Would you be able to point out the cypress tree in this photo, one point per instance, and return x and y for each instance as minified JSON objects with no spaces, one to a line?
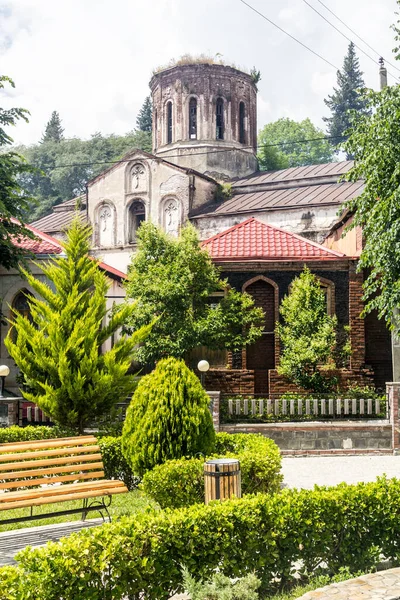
{"x":346,"y":97}
{"x":168,"y":417}
{"x":54,"y":131}
{"x":59,"y":350}
{"x":144,"y":119}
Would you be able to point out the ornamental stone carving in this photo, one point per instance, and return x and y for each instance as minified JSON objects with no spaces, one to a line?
{"x":139,"y":179}
{"x":172,"y":217}
{"x":106,"y":226}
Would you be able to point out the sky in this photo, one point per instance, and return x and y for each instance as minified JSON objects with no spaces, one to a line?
{"x":91,"y":60}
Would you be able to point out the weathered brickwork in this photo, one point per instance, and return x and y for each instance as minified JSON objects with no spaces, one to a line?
{"x":346,"y":378}
{"x":356,"y":322}
{"x":230,"y":381}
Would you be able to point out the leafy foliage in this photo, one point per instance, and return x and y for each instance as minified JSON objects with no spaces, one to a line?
{"x":221,"y":587}
{"x":292,"y":154}
{"x":14,"y":199}
{"x":171,"y":280}
{"x":179,"y":483}
{"x":115,"y":464}
{"x":308,"y":335}
{"x":168,"y":417}
{"x":54,"y":131}
{"x":375,"y":144}
{"x":59,"y":350}
{"x":144,"y":119}
{"x":64,"y":167}
{"x":322,"y":530}
{"x":347,"y":98}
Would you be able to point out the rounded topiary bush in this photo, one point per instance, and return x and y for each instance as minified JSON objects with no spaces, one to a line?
{"x":168,"y":417}
{"x":179,"y":483}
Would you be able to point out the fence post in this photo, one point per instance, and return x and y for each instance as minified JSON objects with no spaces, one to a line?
{"x":214,"y":407}
{"x":393,"y":392}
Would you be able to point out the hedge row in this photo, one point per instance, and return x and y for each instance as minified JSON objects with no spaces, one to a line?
{"x":179,"y":483}
{"x":141,"y":557}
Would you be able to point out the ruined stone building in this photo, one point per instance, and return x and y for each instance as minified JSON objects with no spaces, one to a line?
{"x":273,"y":223}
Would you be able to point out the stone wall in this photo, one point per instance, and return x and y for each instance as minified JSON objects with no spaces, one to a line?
{"x":322,"y":436}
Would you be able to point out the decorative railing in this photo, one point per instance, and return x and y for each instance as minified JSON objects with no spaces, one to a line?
{"x":261,"y":409}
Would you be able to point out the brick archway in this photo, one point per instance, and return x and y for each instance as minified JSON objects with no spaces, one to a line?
{"x":261,"y":356}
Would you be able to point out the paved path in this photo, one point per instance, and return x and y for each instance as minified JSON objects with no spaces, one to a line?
{"x":13,"y":541}
{"x":384,"y":585}
{"x":305,"y":472}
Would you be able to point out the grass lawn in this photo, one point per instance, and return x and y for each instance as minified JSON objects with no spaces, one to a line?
{"x":122,"y":504}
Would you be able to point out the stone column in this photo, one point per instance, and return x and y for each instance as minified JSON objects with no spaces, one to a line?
{"x":214,"y":408}
{"x":393,"y":393}
{"x":356,"y":322}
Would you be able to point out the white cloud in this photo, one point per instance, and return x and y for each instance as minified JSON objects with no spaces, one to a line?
{"x":92,"y":59}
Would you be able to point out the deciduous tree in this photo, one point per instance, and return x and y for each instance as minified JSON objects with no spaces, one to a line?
{"x":278,"y":147}
{"x":59,"y":350}
{"x":172,"y":280}
{"x":14,"y":200}
{"x":375,"y":144}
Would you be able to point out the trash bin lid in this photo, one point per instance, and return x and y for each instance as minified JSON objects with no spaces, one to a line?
{"x":223,"y":461}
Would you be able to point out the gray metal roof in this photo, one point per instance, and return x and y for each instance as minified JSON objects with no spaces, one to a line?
{"x":335,"y":169}
{"x":57,"y":221}
{"x":297,"y":187}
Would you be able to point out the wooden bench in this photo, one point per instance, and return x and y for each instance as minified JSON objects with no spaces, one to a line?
{"x":57,"y":470}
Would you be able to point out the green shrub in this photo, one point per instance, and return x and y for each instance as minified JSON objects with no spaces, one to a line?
{"x":322,"y":530}
{"x":221,"y":587}
{"x":176,"y":483}
{"x":115,"y":464}
{"x":168,"y":417}
{"x":31,"y":432}
{"x":179,"y":483}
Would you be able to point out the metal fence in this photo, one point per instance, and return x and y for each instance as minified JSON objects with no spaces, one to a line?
{"x":261,"y":409}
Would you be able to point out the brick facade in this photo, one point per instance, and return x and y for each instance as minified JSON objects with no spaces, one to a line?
{"x":356,"y":322}
{"x":279,"y":385}
{"x":230,"y":381}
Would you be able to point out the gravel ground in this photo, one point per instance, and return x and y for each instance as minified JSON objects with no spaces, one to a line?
{"x":305,"y":472}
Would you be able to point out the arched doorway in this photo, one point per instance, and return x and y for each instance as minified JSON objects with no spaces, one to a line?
{"x":260,"y":356}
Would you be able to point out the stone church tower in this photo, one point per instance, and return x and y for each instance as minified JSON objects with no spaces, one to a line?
{"x":205,"y":118}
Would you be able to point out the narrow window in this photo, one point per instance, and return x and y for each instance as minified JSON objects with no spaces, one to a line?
{"x":169,"y":123}
{"x":21,"y":304}
{"x":137,"y":214}
{"x":242,"y":130}
{"x":155,"y":127}
{"x":220,"y":119}
{"x":193,"y":119}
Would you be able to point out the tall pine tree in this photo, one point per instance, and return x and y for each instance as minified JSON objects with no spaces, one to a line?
{"x":53,"y":132}
{"x":346,"y":97}
{"x":145,"y":117}
{"x":59,"y":350}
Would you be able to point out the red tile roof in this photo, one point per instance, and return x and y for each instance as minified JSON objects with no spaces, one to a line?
{"x":254,"y":240}
{"x":43,"y":244}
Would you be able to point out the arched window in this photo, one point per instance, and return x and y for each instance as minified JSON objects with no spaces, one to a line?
{"x":242,"y":129}
{"x":219,"y":117}
{"x":193,"y":119}
{"x":169,"y":123}
{"x":136,"y":216}
{"x":20,"y":304}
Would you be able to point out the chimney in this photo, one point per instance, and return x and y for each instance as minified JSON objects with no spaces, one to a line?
{"x":382,"y":73}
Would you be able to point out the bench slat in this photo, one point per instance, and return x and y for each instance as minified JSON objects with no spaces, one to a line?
{"x":43,"y":453}
{"x":54,"y":443}
{"x":60,"y":490}
{"x":56,"y":498}
{"x":46,"y":480}
{"x":53,"y":461}
{"x":54,"y":470}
